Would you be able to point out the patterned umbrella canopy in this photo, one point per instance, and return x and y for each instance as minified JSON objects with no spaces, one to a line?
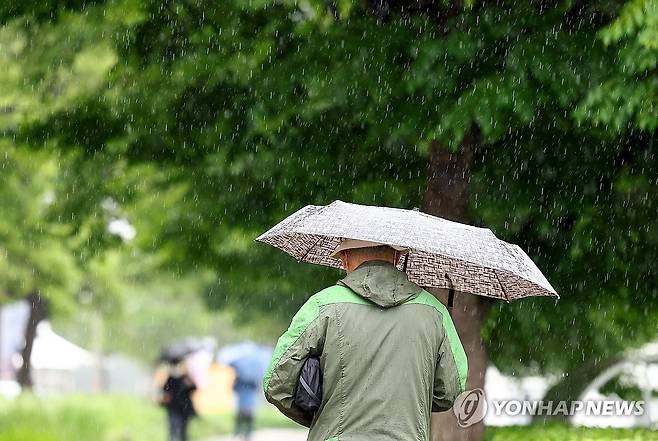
{"x":443,"y":254}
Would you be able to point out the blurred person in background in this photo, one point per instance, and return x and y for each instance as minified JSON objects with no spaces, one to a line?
{"x":177,"y":399}
{"x":248,"y":361}
{"x":246,"y":388}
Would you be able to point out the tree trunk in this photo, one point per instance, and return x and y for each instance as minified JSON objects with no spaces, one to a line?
{"x":38,"y":312}
{"x":446,"y":195}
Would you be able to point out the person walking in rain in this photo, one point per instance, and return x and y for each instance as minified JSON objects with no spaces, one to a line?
{"x":245,"y":389}
{"x":387,"y":354}
{"x":177,"y":399}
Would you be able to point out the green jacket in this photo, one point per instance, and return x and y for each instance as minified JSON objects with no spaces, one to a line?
{"x":389,"y":353}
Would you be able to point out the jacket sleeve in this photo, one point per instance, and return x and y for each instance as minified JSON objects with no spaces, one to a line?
{"x":451,"y":368}
{"x":305,"y":336}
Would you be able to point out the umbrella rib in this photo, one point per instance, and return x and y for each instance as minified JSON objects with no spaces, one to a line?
{"x":501,"y":286}
{"x":310,"y":249}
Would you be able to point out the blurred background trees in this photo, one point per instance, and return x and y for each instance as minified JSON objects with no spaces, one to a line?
{"x":203,"y":123}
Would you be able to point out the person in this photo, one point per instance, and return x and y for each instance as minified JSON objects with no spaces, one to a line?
{"x":248,"y":372}
{"x":389,"y":353}
{"x":177,"y":399}
{"x":246,"y":389}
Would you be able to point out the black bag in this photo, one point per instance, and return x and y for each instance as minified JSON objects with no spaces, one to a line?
{"x":308,"y":393}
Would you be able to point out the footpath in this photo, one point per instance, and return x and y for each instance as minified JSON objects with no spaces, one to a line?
{"x":269,"y":435}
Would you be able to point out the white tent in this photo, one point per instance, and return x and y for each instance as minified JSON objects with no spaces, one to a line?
{"x":52,"y":351}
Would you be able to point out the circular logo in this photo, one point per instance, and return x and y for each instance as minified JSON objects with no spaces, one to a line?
{"x":470,"y":407}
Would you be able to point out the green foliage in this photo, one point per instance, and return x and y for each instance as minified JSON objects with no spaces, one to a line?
{"x":628,"y":95}
{"x":80,"y":418}
{"x":53,"y":231}
{"x":34,"y":252}
{"x":584,"y":209}
{"x":151,"y":313}
{"x":45,"y":75}
{"x":207,"y":122}
{"x":561,"y":432}
{"x":638,"y":18}
{"x":629,"y":392}
{"x":108,"y":418}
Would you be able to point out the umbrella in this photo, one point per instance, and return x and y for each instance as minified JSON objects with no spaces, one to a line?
{"x":178,"y":350}
{"x":248,"y":359}
{"x":442,"y":253}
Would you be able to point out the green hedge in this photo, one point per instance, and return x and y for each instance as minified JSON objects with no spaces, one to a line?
{"x":563,"y":432}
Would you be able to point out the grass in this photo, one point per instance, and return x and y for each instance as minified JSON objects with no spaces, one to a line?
{"x":116,"y":418}
{"x":106,"y":418}
{"x":79,"y":418}
{"x":563,"y":432}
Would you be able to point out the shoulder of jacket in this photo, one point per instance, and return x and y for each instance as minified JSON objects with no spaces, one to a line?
{"x":337,"y":294}
{"x":427,"y":299}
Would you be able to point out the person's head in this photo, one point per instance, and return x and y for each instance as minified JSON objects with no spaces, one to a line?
{"x":352,"y":258}
{"x":177,"y":366}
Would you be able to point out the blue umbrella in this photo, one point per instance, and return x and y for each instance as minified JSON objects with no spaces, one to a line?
{"x":248,"y":359}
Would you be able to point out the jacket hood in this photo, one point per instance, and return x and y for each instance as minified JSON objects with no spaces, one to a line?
{"x":381,"y":283}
